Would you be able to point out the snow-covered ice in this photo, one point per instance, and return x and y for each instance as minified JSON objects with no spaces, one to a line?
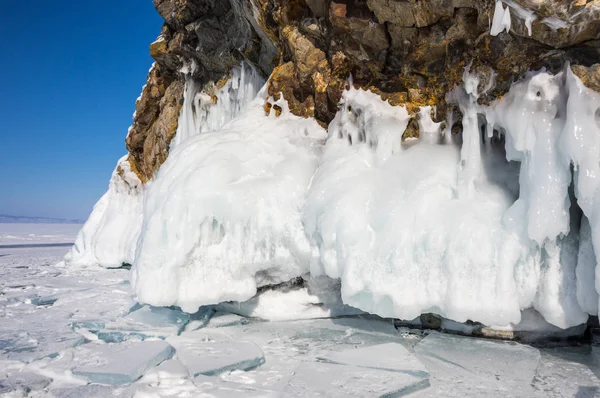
{"x":38,"y":234}
{"x":317,"y":379}
{"x":201,"y":354}
{"x":493,"y":366}
{"x":370,"y":355}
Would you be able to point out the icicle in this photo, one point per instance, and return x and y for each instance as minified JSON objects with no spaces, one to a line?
{"x":501,"y":19}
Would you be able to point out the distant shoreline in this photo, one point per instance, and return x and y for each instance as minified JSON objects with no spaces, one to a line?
{"x":6,"y":219}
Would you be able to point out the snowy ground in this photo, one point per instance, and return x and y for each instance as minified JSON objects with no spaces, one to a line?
{"x":37,"y":234}
{"x":79,"y":333}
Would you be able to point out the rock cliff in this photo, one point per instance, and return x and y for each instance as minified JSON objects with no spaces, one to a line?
{"x":410,"y":52}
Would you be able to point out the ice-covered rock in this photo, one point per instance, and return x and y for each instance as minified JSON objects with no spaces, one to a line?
{"x":390,"y":221}
{"x":223,"y":215}
{"x":121,"y":363}
{"x":109,"y":236}
{"x":315,"y":379}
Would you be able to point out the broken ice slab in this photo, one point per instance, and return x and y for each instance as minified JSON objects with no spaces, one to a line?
{"x":200,"y":319}
{"x":482,"y":364}
{"x":91,"y":391}
{"x":393,"y":357}
{"x":144,"y":322}
{"x":122,"y":363}
{"x":314,"y":379}
{"x":43,"y":301}
{"x":211,"y":358}
{"x":224,"y":319}
{"x":26,"y":347}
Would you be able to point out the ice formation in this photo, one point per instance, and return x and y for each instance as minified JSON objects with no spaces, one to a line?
{"x":110,"y":234}
{"x":203,"y":112}
{"x":224,"y":213}
{"x":481,"y":226}
{"x":501,"y":19}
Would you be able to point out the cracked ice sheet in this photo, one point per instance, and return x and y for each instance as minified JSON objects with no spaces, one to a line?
{"x":211,"y":354}
{"x":315,"y":379}
{"x":482,"y":367}
{"x":145,"y":322}
{"x":120,"y":363}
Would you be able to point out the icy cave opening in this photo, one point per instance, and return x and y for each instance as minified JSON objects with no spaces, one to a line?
{"x":482,"y":225}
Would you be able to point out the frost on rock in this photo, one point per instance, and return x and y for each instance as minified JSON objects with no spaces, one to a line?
{"x":223,"y":215}
{"x":110,"y":234}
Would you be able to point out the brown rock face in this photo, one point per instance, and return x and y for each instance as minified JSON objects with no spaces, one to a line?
{"x":411,"y":52}
{"x":155,"y":123}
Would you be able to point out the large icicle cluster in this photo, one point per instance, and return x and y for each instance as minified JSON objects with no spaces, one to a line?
{"x":224,"y":213}
{"x":478,"y":226}
{"x":110,"y":235}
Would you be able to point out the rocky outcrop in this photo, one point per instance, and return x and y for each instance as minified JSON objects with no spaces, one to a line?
{"x":411,"y":52}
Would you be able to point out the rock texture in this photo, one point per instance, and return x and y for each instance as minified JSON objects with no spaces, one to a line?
{"x":411,"y":52}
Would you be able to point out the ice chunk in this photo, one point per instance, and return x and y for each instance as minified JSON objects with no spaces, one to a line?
{"x":121,"y":364}
{"x":211,"y":358}
{"x":223,"y":215}
{"x":225,"y":319}
{"x":24,"y":382}
{"x":393,"y":357}
{"x":314,"y":379}
{"x":145,"y":322}
{"x":485,"y":366}
{"x":110,"y":234}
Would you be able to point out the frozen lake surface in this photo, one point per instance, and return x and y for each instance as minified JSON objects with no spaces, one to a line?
{"x":37,"y":234}
{"x":72,"y":332}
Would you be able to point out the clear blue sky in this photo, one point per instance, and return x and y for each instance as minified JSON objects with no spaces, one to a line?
{"x":71,"y":71}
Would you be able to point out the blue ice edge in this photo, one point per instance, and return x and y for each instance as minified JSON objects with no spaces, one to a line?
{"x":132,"y":374}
